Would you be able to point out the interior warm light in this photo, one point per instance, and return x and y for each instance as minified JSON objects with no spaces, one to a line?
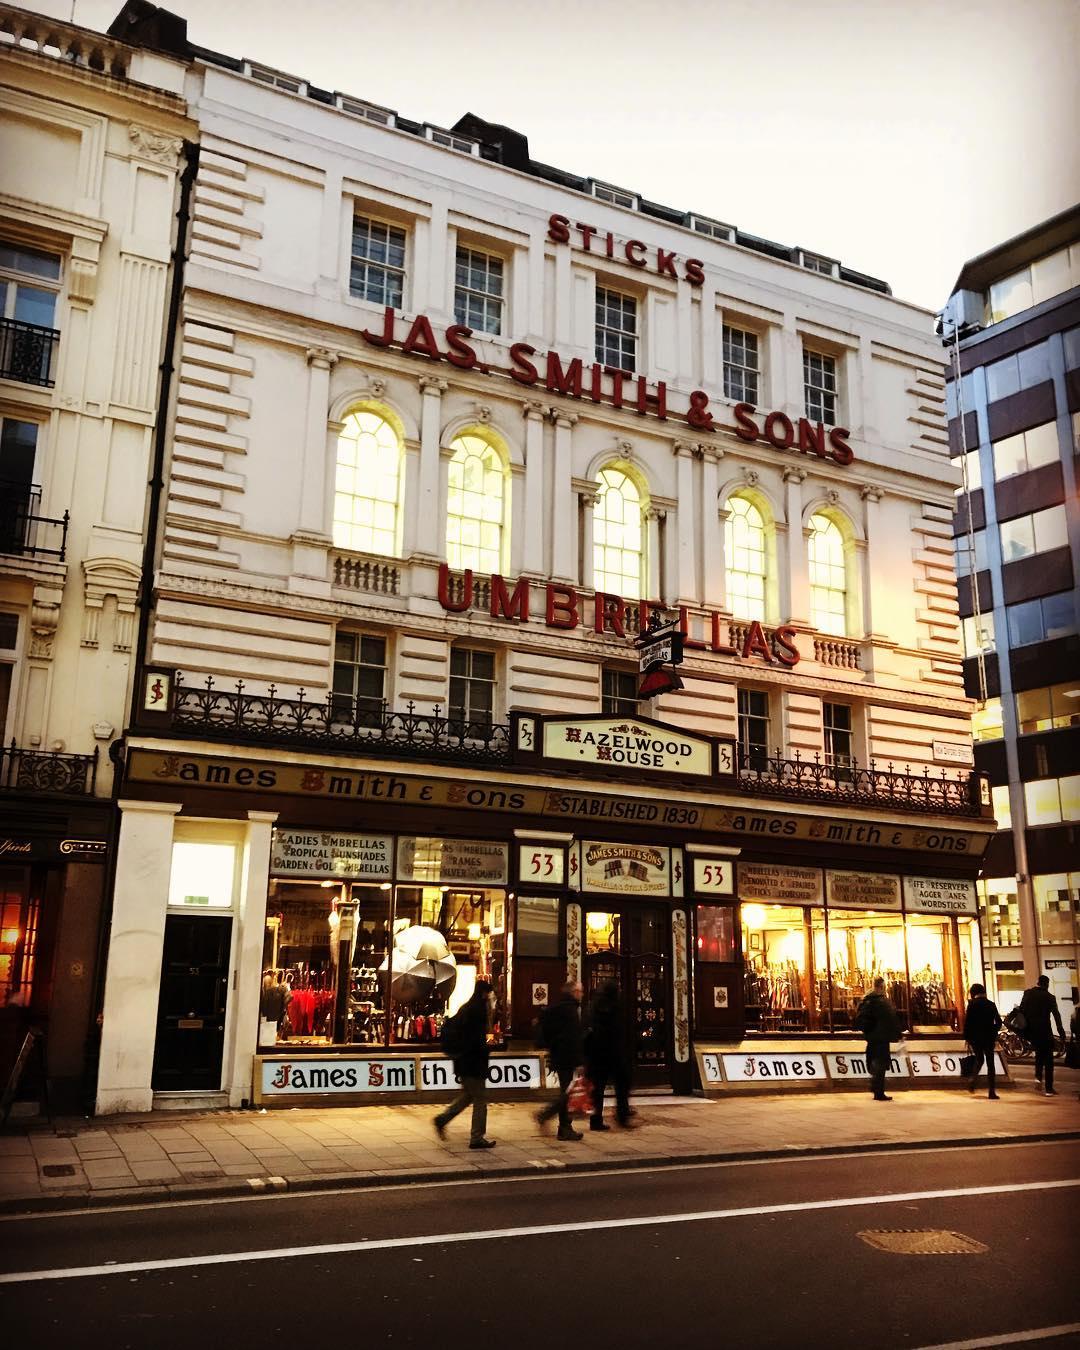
{"x":10,"y":936}
{"x":474,"y":932}
{"x":753,"y":916}
{"x":384,"y":886}
{"x":596,"y":922}
{"x":328,"y":885}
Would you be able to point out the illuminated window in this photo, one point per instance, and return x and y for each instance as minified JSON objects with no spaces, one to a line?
{"x":202,"y":875}
{"x":618,"y":556}
{"x":978,"y":635}
{"x":819,"y":386}
{"x":1026,"y":535}
{"x":986,"y":722}
{"x":367,"y":491}
{"x":828,"y":576}
{"x":1029,"y":450}
{"x":1048,"y":709}
{"x":1057,"y":906}
{"x":1052,"y":800}
{"x":999,"y":797}
{"x":377,"y":272}
{"x":476,"y":505}
{"x":970,"y":470}
{"x":745,"y":558}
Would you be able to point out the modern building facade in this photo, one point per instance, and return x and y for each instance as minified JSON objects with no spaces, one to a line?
{"x":91,"y":143}
{"x":452,"y":428}
{"x":1013,"y":326}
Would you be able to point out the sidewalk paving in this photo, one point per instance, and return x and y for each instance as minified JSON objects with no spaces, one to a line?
{"x":73,"y":1163}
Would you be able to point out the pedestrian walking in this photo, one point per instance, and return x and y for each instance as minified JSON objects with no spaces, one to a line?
{"x":606,"y":1060}
{"x":982,"y":1022}
{"x":465,"y":1041}
{"x":878,"y":1022}
{"x":1037,"y":1007}
{"x":561,"y":1031}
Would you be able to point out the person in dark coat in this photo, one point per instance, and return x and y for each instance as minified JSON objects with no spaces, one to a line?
{"x":982,"y":1022}
{"x":605,"y":1055}
{"x":1037,"y":1007}
{"x":561,"y":1028}
{"x":470,"y":1057}
{"x":878,"y":1022}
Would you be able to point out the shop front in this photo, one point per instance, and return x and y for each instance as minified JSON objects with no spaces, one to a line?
{"x":314,"y":922}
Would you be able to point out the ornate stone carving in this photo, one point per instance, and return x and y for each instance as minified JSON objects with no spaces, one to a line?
{"x":686,"y":448}
{"x":82,"y":279}
{"x":751,"y":477}
{"x":483,"y":412}
{"x":377,"y":387}
{"x":44,"y":617}
{"x":105,"y":576}
{"x":589,"y":497}
{"x":155,"y":145}
{"x":322,"y":358}
{"x":561,"y":418}
{"x":432,"y":386}
{"x":532,"y":408}
{"x":869,"y":493}
{"x":793,"y":474}
{"x":832,"y":497}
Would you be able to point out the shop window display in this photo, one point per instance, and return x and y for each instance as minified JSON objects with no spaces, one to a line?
{"x":715,"y":934}
{"x":865,"y":944}
{"x":785,"y":986}
{"x":937,"y":980}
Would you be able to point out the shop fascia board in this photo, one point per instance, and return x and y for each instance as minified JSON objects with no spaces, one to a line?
{"x":501,"y":778}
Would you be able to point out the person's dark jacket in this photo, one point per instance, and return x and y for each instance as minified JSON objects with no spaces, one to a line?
{"x":1038,"y":1006}
{"x":877,"y":1020}
{"x":471,"y":1059}
{"x":562,"y":1033}
{"x":982,"y":1022}
{"x":604,"y":1039}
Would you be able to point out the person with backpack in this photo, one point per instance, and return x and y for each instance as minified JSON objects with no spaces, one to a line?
{"x":464,"y":1041}
{"x":982,"y":1022}
{"x":560,"y":1029}
{"x":1036,"y":1009}
{"x":878,"y":1022}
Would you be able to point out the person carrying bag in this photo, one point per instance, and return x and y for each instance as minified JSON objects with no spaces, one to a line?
{"x":982,"y":1022}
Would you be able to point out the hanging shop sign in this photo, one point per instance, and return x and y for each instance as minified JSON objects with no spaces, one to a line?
{"x":605,"y":384}
{"x":614,"y":743}
{"x":260,"y":778}
{"x":862,"y":890}
{"x":940,"y":895}
{"x":566,"y":607}
{"x":626,"y":869}
{"x":314,"y":854}
{"x":771,"y":884}
{"x":468,"y":862}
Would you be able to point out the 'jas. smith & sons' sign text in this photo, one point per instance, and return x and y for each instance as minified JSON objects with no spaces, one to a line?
{"x":260,"y":777}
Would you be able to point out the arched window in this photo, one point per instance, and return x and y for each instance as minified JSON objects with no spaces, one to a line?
{"x":367,"y":490}
{"x":618,"y":555}
{"x":828,"y":576}
{"x":745,"y":558}
{"x":476,"y":505}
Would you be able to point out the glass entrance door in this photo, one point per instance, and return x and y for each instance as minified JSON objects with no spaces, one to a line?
{"x":630,"y":944}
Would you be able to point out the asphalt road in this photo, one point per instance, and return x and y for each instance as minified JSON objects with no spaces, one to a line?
{"x":756,"y":1255}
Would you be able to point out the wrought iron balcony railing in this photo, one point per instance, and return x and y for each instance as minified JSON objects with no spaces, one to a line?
{"x":49,"y":771}
{"x":340,"y":723}
{"x":336,"y":722}
{"x":23,"y":530}
{"x":27,"y":351}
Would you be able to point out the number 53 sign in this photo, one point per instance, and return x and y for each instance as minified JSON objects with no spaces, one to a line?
{"x":541,"y":865}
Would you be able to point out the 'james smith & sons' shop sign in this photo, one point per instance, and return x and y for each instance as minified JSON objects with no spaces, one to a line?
{"x":261,"y":777}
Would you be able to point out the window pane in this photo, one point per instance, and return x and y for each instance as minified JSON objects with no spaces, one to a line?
{"x":1002,"y":379}
{"x":1057,"y":905}
{"x":1064,"y":704}
{"x":1009,"y":457}
{"x":1043,"y":802}
{"x":1017,"y":539}
{"x":715,"y":933}
{"x":1041,"y":444}
{"x":986,"y":722}
{"x":999,"y":797}
{"x":1050,"y":529}
{"x":1033,"y":710}
{"x":1010,"y":295}
{"x":1025,"y":623}
{"x":368,"y":485}
{"x":1034,"y":363}
{"x":1070,"y":797}
{"x":537,"y":926}
{"x":1058,"y":614}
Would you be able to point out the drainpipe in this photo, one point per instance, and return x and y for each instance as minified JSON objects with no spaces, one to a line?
{"x":153,"y":518}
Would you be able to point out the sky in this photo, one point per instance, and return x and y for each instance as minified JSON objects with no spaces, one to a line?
{"x":901,"y":136}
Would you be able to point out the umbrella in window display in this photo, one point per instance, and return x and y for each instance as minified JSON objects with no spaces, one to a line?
{"x":422,"y":964}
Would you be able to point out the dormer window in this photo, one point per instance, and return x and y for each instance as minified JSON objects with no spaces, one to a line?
{"x":289,"y":84}
{"x":817,"y":262}
{"x":712,"y":229}
{"x":450,"y":140}
{"x":370,"y":112}
{"x":606,"y":192}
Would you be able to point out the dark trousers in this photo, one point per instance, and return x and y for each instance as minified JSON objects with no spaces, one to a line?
{"x":984,"y":1054}
{"x":877,"y":1065}
{"x":616,"y":1072}
{"x":1044,"y":1060}
{"x":473,"y":1093}
{"x":558,"y":1107}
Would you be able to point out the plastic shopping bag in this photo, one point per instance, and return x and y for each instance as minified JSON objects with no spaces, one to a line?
{"x":579,"y":1097}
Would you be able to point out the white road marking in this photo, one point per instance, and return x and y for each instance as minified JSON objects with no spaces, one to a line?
{"x":1010,"y":1338}
{"x":547,"y":1169}
{"x":536,"y":1230}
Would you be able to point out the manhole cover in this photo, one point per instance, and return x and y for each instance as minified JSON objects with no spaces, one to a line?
{"x":921,"y":1241}
{"x":58,"y":1170}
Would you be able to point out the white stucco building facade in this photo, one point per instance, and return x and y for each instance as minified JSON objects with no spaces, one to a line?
{"x":433,"y":400}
